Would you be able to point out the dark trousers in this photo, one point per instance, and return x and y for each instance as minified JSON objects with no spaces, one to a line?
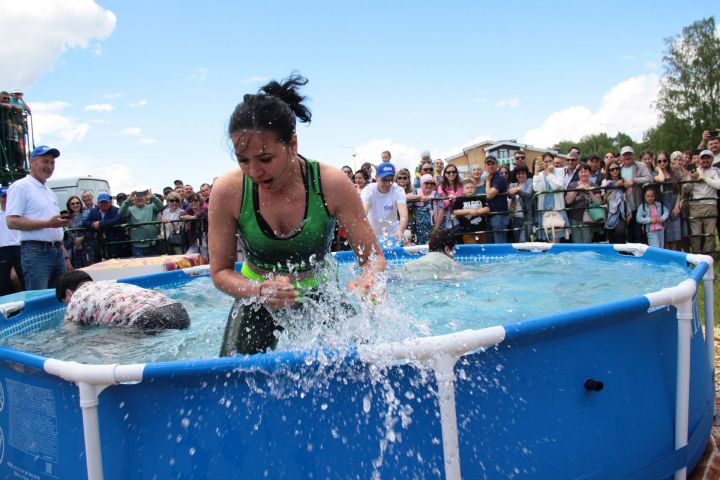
{"x":9,"y":259}
{"x":634,"y":230}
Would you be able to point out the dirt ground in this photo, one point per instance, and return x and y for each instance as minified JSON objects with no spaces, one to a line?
{"x":709,"y":466}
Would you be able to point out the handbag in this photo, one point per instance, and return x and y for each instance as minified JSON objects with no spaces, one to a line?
{"x":175,"y":239}
{"x":596,"y":212}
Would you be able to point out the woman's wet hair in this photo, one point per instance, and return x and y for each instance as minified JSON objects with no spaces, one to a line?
{"x":275,"y":107}
{"x":71,"y":281}
{"x":440,"y":239}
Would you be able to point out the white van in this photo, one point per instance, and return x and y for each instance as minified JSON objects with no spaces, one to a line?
{"x":65,"y":187}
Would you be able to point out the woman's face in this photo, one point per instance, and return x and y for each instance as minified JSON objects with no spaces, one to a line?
{"x":476,"y":173}
{"x":174,"y":203}
{"x":504,"y":171}
{"x":263,"y":158}
{"x":451,"y":174}
{"x":521,"y":176}
{"x":662,"y":161}
{"x":75,"y":204}
{"x":360,"y":180}
{"x":428,"y":188}
{"x":614,"y":170}
{"x":402,"y":179}
{"x":584,"y":175}
{"x":647,"y":159}
{"x":348,"y":172}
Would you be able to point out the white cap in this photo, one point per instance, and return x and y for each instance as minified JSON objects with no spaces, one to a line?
{"x":626,"y":149}
{"x":427,"y":178}
{"x":707,"y":153}
{"x":425,"y":154}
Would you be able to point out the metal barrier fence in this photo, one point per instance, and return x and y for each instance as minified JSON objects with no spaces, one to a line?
{"x":533,"y":212}
{"x":116,"y":242}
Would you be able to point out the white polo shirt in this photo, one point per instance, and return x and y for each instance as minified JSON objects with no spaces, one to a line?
{"x":35,"y":201}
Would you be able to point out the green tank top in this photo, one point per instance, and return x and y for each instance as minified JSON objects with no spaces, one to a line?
{"x":298,"y":252}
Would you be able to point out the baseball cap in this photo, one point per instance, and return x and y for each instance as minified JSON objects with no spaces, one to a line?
{"x":626,"y":149}
{"x":706,"y":153}
{"x":44,"y":150}
{"x":385,"y":169}
{"x":490,"y":159}
{"x":3,"y":191}
{"x":103,"y":197}
{"x":427,"y":178}
{"x":167,"y":190}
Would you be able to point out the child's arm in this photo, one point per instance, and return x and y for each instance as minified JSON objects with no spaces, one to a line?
{"x":643,"y":215}
{"x":665,"y":211}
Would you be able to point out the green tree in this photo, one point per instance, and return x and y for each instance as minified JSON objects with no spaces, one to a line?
{"x":598,"y":143}
{"x":689,"y":99}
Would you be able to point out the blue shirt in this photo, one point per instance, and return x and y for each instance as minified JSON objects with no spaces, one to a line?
{"x":500,"y":202}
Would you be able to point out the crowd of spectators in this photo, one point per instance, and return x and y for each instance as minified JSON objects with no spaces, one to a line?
{"x":661,"y":199}
{"x":664,"y":200}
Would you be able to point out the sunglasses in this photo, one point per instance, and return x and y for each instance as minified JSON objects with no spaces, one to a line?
{"x":402,"y":178}
{"x":662,"y":161}
{"x":174,"y":201}
{"x":451,"y":172}
{"x":520,"y":157}
{"x":613,"y":169}
{"x":427,"y":169}
{"x":75,"y":203}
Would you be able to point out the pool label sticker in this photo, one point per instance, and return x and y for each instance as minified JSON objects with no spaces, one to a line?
{"x":32,"y":420}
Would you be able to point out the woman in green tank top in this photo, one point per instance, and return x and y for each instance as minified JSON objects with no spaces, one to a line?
{"x":284,"y":207}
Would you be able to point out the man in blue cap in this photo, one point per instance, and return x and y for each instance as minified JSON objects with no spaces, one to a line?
{"x":101,"y":220}
{"x":9,"y":250}
{"x":33,"y":209}
{"x":384,"y":202}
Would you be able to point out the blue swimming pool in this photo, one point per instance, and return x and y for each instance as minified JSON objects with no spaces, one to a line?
{"x":624,"y":389}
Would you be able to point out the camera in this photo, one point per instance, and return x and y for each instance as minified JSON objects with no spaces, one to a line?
{"x":142,"y":194}
{"x":692,"y":168}
{"x":714,"y":133}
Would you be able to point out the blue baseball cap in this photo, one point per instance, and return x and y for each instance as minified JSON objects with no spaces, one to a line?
{"x":44,"y":150}
{"x":385,"y":169}
{"x":3,"y":191}
{"x":104,"y":197}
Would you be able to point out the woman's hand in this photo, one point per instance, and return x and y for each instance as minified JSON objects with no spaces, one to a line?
{"x":277,"y":293}
{"x":365,"y":288}
{"x":676,"y":211}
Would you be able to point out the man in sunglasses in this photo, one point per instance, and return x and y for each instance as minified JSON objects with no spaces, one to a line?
{"x":384,"y":202}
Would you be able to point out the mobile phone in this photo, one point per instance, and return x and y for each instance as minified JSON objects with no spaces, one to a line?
{"x":65,"y":215}
{"x":714,"y":133}
{"x":141,"y":194}
{"x":692,"y":167}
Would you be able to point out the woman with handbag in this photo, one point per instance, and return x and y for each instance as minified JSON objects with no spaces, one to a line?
{"x":578,"y":203}
{"x":552,"y":220}
{"x":618,"y":211}
{"x":173,"y":230}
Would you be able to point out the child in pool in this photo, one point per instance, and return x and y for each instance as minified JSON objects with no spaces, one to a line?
{"x":652,"y":216}
{"x":115,"y":304}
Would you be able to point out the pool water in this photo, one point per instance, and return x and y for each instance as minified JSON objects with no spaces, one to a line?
{"x":481,"y":292}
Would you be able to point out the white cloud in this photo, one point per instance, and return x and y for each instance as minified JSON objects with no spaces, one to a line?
{"x":99,"y":107}
{"x":50,"y":126}
{"x":138,"y":104}
{"x":198,"y":75}
{"x":134,"y":131}
{"x":402,"y":155}
{"x":35,"y":33}
{"x":256,"y":79}
{"x":513,"y":102}
{"x":147,"y":141}
{"x":627,"y":107}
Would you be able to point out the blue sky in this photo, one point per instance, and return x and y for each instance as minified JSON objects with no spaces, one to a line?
{"x":140,"y":92}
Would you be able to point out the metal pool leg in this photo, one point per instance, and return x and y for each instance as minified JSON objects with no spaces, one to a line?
{"x":682,"y":392}
{"x":443,"y":366}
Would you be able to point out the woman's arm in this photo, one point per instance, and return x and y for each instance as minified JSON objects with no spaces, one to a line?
{"x":343,"y":202}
